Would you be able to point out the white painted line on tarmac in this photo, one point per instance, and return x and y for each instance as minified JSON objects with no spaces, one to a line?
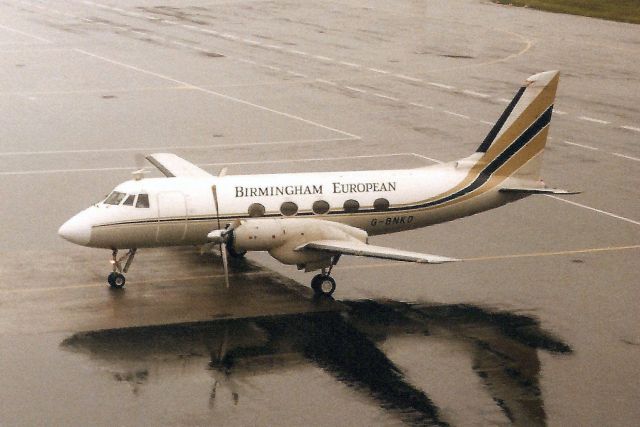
{"x":487,"y":123}
{"x":299,"y":52}
{"x":176,"y":147}
{"x":504,"y":100}
{"x":633,"y":128}
{"x":559,"y":112}
{"x":323,"y":58}
{"x":355,"y":89}
{"x":248,"y":162}
{"x":253,"y":42}
{"x":377,"y":70}
{"x":350,"y":64}
{"x":409,"y":78}
{"x":327,"y":82}
{"x":441,"y":85}
{"x":594,"y":209}
{"x":626,"y":157}
{"x":456,"y":114}
{"x":307,"y":160}
{"x":476,"y":94}
{"x":214,"y":93}
{"x":391,"y":98}
{"x":588,"y":147}
{"x":592,"y":120}
{"x":33,"y":36}
{"x":296,"y":74}
{"x":428,"y":158}
{"x":273,"y":46}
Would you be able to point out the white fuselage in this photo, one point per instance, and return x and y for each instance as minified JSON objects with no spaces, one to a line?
{"x":181,"y":211}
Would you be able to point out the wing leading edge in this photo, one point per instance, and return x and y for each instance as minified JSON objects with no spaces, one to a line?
{"x":174,"y":166}
{"x":357,"y":248}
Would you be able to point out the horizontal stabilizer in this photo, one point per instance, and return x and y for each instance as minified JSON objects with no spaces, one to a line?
{"x":174,"y":166}
{"x":533,"y":190}
{"x":357,"y":248}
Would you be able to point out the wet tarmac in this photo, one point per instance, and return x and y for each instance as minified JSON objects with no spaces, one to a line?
{"x":539,"y":325}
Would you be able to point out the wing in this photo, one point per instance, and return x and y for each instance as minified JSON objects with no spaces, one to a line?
{"x":173,"y":166}
{"x":358,"y":248}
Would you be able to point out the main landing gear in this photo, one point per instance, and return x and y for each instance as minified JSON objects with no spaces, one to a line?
{"x":116,"y":278}
{"x":323,"y":284}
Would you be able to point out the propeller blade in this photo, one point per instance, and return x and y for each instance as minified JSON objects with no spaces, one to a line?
{"x":223,"y":252}
{"x":223,"y":235}
{"x":215,"y":201}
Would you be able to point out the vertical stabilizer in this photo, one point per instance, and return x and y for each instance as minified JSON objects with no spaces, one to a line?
{"x":514,"y":146}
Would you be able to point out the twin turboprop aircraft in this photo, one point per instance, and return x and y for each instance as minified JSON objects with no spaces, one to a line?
{"x":311,"y":219}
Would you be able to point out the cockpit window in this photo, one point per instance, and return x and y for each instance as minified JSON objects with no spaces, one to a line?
{"x":114,"y":198}
{"x":143,"y":201}
{"x":129,"y":200}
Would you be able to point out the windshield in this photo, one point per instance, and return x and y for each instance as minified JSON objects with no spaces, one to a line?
{"x":114,"y":198}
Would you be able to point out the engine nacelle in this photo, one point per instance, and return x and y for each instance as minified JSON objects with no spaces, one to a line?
{"x":281,"y":236}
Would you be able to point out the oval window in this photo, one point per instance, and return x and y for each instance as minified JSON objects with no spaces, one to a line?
{"x":381,"y":204}
{"x":256,"y":210}
{"x":320,"y":207}
{"x":351,"y":206}
{"x":288,"y":208}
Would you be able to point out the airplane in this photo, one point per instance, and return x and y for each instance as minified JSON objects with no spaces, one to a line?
{"x":311,"y":219}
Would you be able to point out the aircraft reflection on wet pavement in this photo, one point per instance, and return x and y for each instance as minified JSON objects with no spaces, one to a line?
{"x":503,"y":347}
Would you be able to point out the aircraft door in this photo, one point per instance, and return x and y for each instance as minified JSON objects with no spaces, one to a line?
{"x":172,"y":218}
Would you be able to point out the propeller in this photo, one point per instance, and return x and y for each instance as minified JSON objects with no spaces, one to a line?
{"x":221,"y":236}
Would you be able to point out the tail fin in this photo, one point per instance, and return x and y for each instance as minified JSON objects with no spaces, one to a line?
{"x":513,"y":147}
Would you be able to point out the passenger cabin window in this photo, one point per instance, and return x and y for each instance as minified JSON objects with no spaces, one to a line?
{"x":351,"y":206}
{"x":129,"y":200}
{"x":320,"y":207}
{"x":256,"y":210}
{"x":114,"y":198}
{"x":143,"y":201}
{"x":289,"y":208}
{"x":381,"y":205}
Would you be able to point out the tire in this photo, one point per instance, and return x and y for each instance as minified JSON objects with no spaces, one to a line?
{"x":315,"y":283}
{"x":323,"y":285}
{"x":116,"y":280}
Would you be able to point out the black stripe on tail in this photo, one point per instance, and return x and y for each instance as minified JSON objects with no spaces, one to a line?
{"x":491,"y":136}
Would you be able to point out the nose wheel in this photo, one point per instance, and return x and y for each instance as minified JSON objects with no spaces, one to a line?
{"x":116,"y":278}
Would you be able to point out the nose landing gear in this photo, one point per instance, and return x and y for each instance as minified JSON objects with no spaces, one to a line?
{"x":116,"y":278}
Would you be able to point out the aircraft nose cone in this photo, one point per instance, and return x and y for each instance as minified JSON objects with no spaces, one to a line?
{"x":76,"y":230}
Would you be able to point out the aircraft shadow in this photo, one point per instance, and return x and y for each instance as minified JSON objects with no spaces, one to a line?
{"x":503,"y":346}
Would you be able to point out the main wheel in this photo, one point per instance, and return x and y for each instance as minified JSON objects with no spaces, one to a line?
{"x":116,"y":280}
{"x":323,"y":285}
